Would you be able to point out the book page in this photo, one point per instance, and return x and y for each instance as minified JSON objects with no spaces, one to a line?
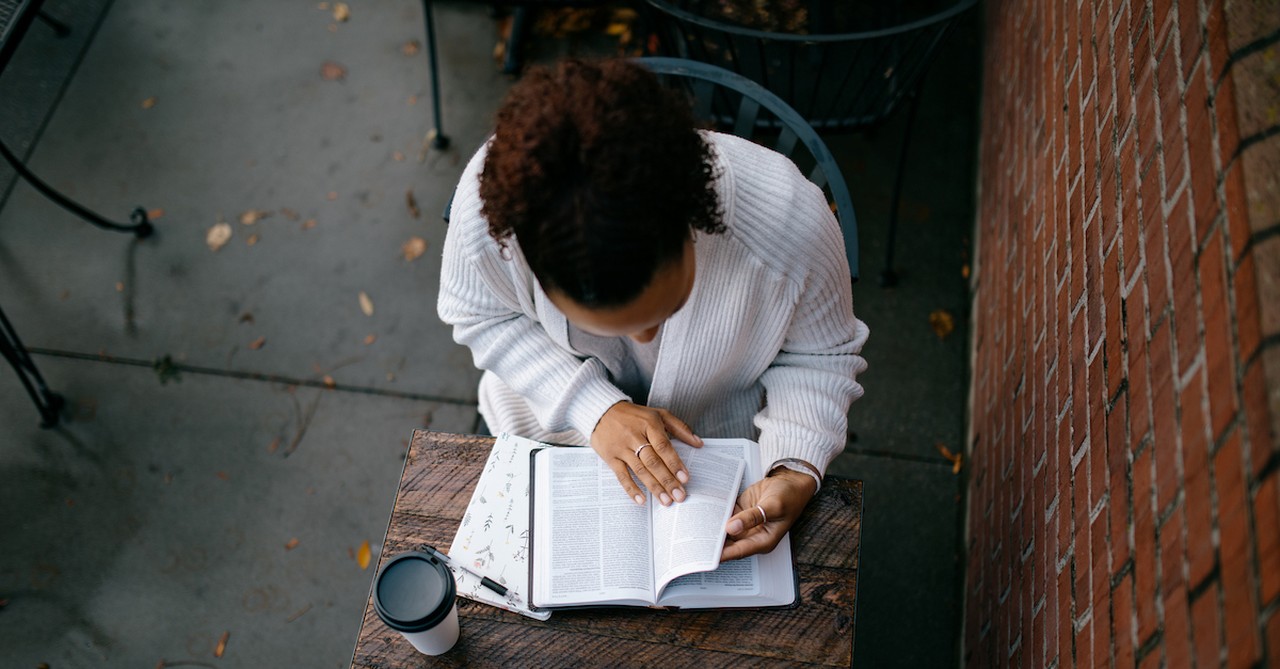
{"x":688,"y":536}
{"x":758,"y":580}
{"x":593,"y":540}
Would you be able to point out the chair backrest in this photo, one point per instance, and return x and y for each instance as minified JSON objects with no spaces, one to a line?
{"x":834,"y":81}
{"x":752,"y":107}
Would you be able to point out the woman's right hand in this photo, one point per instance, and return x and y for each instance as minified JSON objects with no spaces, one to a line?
{"x":633,"y":438}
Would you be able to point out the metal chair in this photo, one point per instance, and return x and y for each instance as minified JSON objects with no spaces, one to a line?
{"x":16,"y":16}
{"x":743,"y":107}
{"x":846,"y":81}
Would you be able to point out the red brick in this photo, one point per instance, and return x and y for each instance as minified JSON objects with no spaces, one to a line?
{"x":1190,"y":31}
{"x":1273,"y":633}
{"x":1122,"y":39}
{"x":1204,"y":178}
{"x":1266,"y":515}
{"x":1248,"y":322}
{"x":1144,"y":531}
{"x":1065,"y":632}
{"x":1122,"y":617}
{"x":1186,"y":314}
{"x":1155,"y":248}
{"x":1206,"y":623}
{"x":1169,"y":86}
{"x":1194,"y":429}
{"x":1118,"y":458}
{"x":1219,"y":363}
{"x":1240,"y":609}
{"x":1164,"y":417}
{"x":1173,"y":552}
{"x":1257,"y":417}
{"x":1139,"y":370}
{"x":1201,"y":556}
{"x":1224,"y":108}
{"x":1162,"y":20}
{"x":1177,"y":629}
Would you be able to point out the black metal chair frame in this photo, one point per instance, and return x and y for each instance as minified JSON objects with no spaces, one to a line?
{"x":846,"y":81}
{"x":710,"y":86}
{"x":16,"y":16}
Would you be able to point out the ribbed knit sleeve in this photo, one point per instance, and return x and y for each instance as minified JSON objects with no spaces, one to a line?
{"x":491,"y":303}
{"x":813,"y":378}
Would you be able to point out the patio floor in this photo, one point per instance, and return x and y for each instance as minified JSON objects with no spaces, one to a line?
{"x":229,"y":489}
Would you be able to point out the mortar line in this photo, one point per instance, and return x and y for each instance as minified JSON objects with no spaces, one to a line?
{"x":253,"y":376}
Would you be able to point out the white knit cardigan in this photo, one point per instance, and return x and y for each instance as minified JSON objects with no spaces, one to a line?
{"x":767,"y":346}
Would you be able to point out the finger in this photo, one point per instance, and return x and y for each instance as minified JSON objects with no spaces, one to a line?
{"x":649,"y":478}
{"x":742,"y":521}
{"x":679,"y":428}
{"x":628,"y":484}
{"x":762,"y":541}
{"x":656,"y":465}
{"x":671,"y":463}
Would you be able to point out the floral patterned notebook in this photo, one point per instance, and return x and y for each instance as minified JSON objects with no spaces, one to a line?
{"x":493,"y":538}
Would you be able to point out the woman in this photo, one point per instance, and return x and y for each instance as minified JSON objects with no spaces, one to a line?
{"x":621,"y":277}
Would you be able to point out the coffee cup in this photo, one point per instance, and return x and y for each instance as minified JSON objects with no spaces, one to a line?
{"x":415,"y":594}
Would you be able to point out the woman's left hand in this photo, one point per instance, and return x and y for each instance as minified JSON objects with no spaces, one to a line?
{"x":781,"y":495}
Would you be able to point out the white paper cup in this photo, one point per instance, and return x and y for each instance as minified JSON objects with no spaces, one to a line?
{"x":415,"y":595}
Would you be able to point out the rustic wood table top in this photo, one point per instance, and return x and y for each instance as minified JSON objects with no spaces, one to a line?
{"x":440,"y":473}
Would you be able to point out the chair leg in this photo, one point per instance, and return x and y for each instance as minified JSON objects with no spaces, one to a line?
{"x":511,"y":62}
{"x":141,"y":227}
{"x":48,"y":403}
{"x":888,"y":277}
{"x":440,"y":141}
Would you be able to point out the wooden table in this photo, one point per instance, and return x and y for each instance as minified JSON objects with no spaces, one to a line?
{"x":439,"y":476}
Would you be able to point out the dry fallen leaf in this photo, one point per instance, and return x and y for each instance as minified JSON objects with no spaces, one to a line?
{"x":310,"y":223}
{"x":329,"y":382}
{"x":299,"y":613}
{"x":331,"y":71}
{"x":942,"y":322}
{"x":413,"y":100}
{"x":412,"y":203}
{"x":341,"y":12}
{"x":224,"y":476}
{"x":119,"y":286}
{"x":366,"y":304}
{"x":414,"y":248}
{"x":257,"y":343}
{"x":397,"y":156}
{"x":331,"y":195}
{"x":253,"y":239}
{"x":370,"y":338}
{"x":246,"y":317}
{"x":964,"y":270}
{"x":363,"y":555}
{"x":222,"y":645}
{"x":274,"y":445}
{"x":293,"y":543}
{"x":956,"y":459}
{"x":289,"y":214}
{"x":218,"y":235}
{"x":149,"y":102}
{"x":253,"y":216}
{"x":324,"y":6}
{"x":154,"y":214}
{"x":411,"y":47}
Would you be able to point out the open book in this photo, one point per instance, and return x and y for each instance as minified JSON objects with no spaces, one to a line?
{"x":594,"y":546}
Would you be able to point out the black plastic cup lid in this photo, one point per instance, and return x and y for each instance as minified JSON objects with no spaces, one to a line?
{"x":413,"y":592}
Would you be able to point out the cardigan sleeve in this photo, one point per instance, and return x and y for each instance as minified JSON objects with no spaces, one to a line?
{"x":480,"y":296}
{"x":813,"y":379}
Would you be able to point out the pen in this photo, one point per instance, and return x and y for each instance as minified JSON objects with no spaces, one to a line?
{"x":484,"y":580}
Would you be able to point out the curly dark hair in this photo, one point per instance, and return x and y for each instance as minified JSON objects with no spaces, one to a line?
{"x":600,"y":173}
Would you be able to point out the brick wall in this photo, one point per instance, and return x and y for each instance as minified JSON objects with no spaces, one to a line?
{"x":1123,"y":499}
